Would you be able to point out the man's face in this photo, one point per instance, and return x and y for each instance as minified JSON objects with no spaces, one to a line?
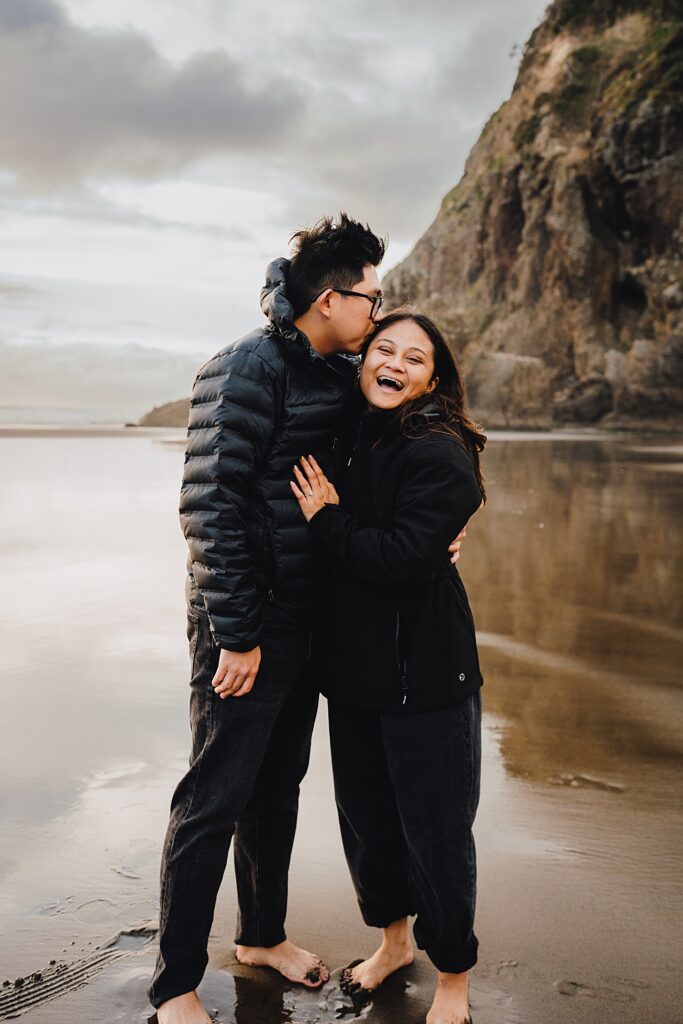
{"x":350,"y":314}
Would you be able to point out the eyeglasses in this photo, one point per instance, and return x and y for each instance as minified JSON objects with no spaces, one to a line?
{"x":374,"y":300}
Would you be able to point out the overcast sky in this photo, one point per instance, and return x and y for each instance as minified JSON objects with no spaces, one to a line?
{"x":155,"y":156}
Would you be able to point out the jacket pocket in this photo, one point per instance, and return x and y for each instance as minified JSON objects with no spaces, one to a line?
{"x":456,"y":633}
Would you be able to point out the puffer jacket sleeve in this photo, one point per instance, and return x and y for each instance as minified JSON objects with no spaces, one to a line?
{"x":232,"y":419}
{"x":438,"y":494}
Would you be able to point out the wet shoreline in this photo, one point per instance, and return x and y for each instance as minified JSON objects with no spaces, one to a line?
{"x":573,"y":571}
{"x":669,"y":437}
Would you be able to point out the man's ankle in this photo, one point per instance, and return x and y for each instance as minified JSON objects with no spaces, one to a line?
{"x":182,"y":999}
{"x":396,"y":937}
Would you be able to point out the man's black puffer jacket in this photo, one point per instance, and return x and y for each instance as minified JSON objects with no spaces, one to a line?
{"x":257,"y":407}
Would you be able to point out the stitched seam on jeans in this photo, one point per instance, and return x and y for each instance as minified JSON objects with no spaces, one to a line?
{"x":258,"y":859}
{"x":167,"y":890}
{"x":199,"y":761}
{"x":198,"y":765}
{"x":193,"y":654}
{"x":471,"y":739}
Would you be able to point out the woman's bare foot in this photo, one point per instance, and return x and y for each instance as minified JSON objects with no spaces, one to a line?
{"x":395,"y":952}
{"x":291,"y":961}
{"x":185,"y":1009}
{"x":451,"y":1002}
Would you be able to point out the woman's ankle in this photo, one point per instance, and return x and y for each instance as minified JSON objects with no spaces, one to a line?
{"x":453,"y":982}
{"x":451,"y":1000}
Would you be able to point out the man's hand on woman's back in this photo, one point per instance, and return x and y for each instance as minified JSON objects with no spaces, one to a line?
{"x":454,"y":546}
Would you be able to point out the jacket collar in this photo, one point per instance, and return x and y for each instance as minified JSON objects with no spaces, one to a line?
{"x":387,"y":424}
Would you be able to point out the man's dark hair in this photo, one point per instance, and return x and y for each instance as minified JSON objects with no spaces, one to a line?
{"x":331,"y":254}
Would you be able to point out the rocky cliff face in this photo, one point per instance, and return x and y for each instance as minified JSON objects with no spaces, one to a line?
{"x":556,"y":262}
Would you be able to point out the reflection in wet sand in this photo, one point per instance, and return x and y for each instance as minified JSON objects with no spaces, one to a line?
{"x":574,"y":573}
{"x":580,"y":613}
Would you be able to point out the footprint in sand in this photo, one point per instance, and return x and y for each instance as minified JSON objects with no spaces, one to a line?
{"x":613,"y":993}
{"x":506,"y":969}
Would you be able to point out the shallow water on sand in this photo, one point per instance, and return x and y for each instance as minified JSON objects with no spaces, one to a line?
{"x":574,"y":572}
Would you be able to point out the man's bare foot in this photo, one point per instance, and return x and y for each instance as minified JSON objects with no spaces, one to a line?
{"x":395,"y":952}
{"x":451,"y":1003}
{"x":291,"y":961}
{"x":185,"y":1009}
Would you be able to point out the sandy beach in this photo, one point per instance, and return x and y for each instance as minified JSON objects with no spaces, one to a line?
{"x":574,"y":572}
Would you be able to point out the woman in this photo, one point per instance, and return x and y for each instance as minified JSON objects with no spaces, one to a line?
{"x":403,"y":674}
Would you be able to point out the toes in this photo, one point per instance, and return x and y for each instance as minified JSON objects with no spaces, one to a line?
{"x":323,"y":969}
{"x":317,"y":975}
{"x":347,"y":983}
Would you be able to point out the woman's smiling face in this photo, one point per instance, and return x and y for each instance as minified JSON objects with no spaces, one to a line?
{"x":398,"y":366}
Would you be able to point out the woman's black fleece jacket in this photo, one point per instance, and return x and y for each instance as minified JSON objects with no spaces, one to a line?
{"x":398,"y":633}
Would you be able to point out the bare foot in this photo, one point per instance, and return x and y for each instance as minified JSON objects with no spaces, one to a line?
{"x":291,"y":961}
{"x":395,"y":952}
{"x":185,"y":1009}
{"x":451,"y":1003}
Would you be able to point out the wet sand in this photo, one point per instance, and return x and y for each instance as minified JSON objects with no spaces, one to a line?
{"x":574,"y":572}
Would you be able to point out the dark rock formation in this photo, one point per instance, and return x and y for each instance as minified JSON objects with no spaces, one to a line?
{"x":556,"y":263}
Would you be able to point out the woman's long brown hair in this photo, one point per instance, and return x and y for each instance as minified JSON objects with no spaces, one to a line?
{"x":449,"y":393}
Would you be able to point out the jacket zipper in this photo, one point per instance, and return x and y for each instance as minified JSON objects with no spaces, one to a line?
{"x":400,"y":661}
{"x":356,"y":445}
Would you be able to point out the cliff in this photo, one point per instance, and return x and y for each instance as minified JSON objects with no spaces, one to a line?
{"x":555,"y":263}
{"x":170,"y":414}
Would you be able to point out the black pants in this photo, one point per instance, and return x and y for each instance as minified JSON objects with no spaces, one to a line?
{"x":407,"y":789}
{"x":249,"y":755}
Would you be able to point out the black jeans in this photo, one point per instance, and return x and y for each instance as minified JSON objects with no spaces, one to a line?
{"x":249,"y":755}
{"x":407,"y":790}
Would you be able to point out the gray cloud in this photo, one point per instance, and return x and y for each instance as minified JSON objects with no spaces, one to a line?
{"x":452,"y":12}
{"x":398,"y":96}
{"x":404,"y":166}
{"x":86,"y":206}
{"x":375,"y":115}
{"x":394,"y":99}
{"x":485,"y":62}
{"x":102,"y":103}
{"x":21,"y":14}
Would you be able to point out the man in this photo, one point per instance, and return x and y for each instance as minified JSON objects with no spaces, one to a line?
{"x":257,"y":407}
{"x":252,"y":584}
